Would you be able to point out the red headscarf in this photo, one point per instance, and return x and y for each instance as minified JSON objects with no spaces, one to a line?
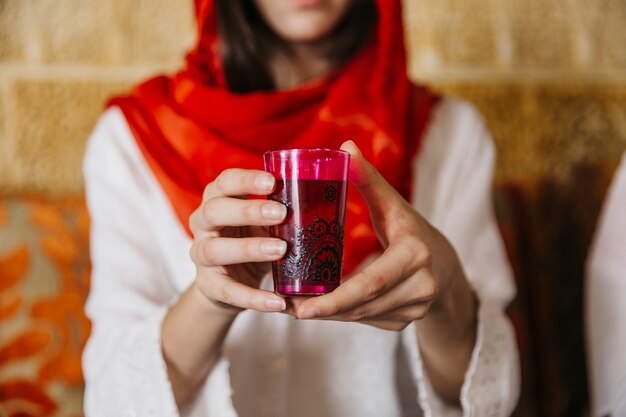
{"x":190,"y":127}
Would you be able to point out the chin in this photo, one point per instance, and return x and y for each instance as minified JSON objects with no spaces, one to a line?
{"x":303,"y":20}
{"x":300,"y":31}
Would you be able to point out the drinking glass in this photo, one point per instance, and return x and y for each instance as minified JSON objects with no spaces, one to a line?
{"x":313,"y":184}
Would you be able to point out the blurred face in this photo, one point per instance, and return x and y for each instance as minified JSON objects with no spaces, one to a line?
{"x":302,"y":20}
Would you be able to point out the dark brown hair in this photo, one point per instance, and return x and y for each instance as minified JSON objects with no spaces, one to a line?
{"x":247,"y":41}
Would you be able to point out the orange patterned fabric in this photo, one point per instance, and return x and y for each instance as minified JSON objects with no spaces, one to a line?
{"x":44,"y":279}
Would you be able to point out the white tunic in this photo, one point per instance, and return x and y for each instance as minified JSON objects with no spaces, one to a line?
{"x":273,"y":365}
{"x":605,"y":307}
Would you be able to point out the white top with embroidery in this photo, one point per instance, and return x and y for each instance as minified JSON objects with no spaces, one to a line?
{"x":605,"y":306}
{"x":273,"y":365}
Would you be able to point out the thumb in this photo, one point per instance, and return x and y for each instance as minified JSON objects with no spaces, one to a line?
{"x":376,"y":191}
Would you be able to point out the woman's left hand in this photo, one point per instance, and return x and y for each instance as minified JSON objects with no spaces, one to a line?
{"x":403,"y":283}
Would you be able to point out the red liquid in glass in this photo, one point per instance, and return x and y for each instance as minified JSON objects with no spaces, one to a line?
{"x":313,"y":231}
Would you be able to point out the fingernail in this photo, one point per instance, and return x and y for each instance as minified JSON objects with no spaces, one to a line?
{"x":309,"y":313}
{"x":274,"y":247}
{"x":356,"y":150}
{"x":265,"y":182}
{"x":275,"y":304}
{"x":273,"y":211}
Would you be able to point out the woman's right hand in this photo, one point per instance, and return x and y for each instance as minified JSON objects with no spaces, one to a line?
{"x":231,"y":247}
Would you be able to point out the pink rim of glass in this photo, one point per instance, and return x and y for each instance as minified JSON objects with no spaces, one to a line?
{"x":308,"y":164}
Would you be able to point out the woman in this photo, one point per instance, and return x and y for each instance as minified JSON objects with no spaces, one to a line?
{"x":184,"y":318}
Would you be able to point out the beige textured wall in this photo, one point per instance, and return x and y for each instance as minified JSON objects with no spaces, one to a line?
{"x":549,"y":75}
{"x":520,"y":39}
{"x":59,"y":61}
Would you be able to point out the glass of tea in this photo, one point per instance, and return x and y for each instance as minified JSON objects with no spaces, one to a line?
{"x":313,"y":184}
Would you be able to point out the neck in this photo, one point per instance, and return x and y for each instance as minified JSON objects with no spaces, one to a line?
{"x":304,"y":63}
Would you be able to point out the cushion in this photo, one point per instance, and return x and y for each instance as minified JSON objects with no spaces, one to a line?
{"x":44,"y":279}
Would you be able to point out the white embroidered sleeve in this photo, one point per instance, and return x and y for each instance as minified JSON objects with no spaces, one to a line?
{"x":453,"y":191}
{"x":136,"y":249}
{"x":132,"y":286}
{"x":125,"y":373}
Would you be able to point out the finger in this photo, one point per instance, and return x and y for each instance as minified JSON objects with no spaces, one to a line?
{"x":409,"y":300}
{"x":221,"y":288}
{"x":406,"y":313}
{"x":376,"y":191}
{"x":394,"y":265}
{"x":230,"y":251}
{"x":240,"y":182}
{"x":294,"y":303}
{"x":217,"y":213}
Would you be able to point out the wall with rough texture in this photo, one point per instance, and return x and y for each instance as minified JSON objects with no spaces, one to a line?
{"x":548,"y":75}
{"x":59,"y":61}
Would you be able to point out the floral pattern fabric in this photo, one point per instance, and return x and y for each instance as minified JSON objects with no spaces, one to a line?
{"x":44,"y":279}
